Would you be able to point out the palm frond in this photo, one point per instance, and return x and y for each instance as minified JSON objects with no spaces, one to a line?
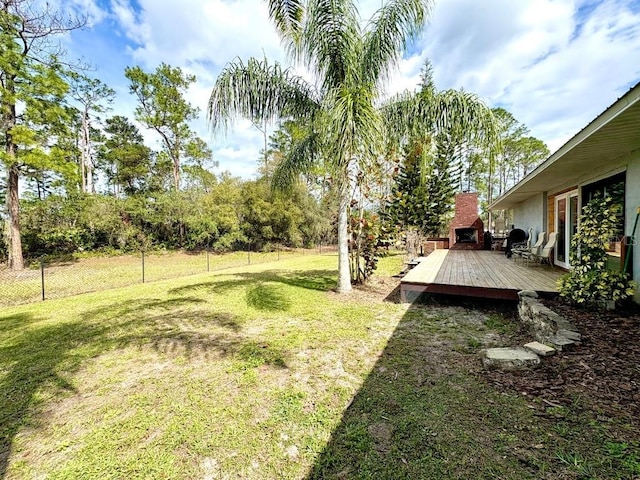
{"x":453,"y":112}
{"x":352,"y":125}
{"x":461,"y":113}
{"x":331,"y":41}
{"x":304,"y":154}
{"x":259,"y":91}
{"x":287,"y":17}
{"x":390,"y":32}
{"x":401,"y":116}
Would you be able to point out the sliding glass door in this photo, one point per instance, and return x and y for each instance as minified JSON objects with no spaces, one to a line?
{"x":566,"y":214}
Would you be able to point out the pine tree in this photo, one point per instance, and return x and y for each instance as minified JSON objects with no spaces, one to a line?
{"x":424,"y":187}
{"x":30,"y":77}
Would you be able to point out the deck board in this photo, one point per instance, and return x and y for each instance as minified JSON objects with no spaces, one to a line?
{"x":477,"y":273}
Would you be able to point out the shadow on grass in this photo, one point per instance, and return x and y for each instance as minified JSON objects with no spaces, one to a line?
{"x":32,"y":362}
{"x":261,"y":291}
{"x":9,"y":322}
{"x":38,"y":362}
{"x":425,"y":411}
{"x":267,"y":297}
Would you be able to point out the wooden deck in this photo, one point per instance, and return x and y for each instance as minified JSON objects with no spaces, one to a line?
{"x":477,"y":273}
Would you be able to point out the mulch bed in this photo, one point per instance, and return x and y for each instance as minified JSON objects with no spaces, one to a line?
{"x":602,"y":372}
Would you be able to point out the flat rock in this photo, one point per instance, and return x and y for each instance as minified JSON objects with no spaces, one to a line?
{"x":560,"y":342}
{"x":571,"y":335}
{"x":539,"y":309}
{"x":509,"y":358}
{"x":564,"y":324}
{"x":527,"y":293}
{"x":540,"y":349}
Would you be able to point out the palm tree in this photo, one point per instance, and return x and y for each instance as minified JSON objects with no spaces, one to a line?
{"x":351,"y":64}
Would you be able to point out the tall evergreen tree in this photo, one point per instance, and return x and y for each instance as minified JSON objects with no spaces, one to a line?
{"x":127,"y":161}
{"x":422,"y":195}
{"x":30,"y":75}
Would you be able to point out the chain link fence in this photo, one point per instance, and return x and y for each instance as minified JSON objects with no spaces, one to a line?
{"x":44,"y":279}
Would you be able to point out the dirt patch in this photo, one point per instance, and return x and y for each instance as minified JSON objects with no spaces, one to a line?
{"x":377,"y":289}
{"x":602,"y":372}
{"x":381,"y":433}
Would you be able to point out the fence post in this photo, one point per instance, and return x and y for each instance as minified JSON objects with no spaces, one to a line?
{"x":249,"y":255}
{"x":142,"y":266}
{"x":208,"y":261}
{"x":42,"y":276}
{"x":278,"y":247}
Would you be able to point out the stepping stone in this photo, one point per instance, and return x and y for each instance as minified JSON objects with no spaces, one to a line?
{"x":540,"y":349}
{"x":509,"y":358}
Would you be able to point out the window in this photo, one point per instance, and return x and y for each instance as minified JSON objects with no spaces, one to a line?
{"x":613,"y":187}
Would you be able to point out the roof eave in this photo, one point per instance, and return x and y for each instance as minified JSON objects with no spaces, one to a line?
{"x":518,"y":192}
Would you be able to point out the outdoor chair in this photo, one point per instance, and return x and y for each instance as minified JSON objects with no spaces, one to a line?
{"x":520,"y":253}
{"x":544,"y":256}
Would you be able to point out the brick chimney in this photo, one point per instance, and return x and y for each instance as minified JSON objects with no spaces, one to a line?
{"x":466,"y":230}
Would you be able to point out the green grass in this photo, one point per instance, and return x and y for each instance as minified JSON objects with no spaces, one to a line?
{"x":262,"y":372}
{"x":77,"y":275}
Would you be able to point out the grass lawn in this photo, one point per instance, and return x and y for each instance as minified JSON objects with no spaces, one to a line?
{"x":262,"y":372}
{"x":94,"y":273}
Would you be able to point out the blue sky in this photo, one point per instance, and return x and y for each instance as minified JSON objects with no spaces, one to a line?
{"x":554,"y":64}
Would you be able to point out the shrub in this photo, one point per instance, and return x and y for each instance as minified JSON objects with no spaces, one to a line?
{"x":590,"y":283}
{"x":368,"y":241}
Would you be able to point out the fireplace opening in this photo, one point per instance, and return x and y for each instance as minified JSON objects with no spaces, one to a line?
{"x":466,"y":235}
{"x":466,"y":229}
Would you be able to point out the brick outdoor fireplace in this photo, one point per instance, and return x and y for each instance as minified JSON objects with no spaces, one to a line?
{"x":466,"y":230}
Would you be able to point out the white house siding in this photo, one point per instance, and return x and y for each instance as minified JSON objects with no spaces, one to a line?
{"x":632,"y":203}
{"x":530,"y":214}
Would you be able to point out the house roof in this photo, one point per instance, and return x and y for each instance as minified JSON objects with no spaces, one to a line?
{"x":613,"y":134}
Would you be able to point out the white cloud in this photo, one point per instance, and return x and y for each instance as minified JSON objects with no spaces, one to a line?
{"x":553,"y":63}
{"x":532,"y":58}
{"x":192,"y":31}
{"x":69,"y":9}
{"x":134,"y":27}
{"x":201,"y":38}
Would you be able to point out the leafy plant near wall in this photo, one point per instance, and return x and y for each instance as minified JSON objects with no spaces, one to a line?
{"x":589,"y":282}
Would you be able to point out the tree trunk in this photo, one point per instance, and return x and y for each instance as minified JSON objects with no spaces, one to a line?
{"x":16,"y":262}
{"x":176,"y":173}
{"x":174,"y":153}
{"x":14,"y":242}
{"x":87,"y":166}
{"x":344,"y":274}
{"x":491,"y":179}
{"x":83,"y":176}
